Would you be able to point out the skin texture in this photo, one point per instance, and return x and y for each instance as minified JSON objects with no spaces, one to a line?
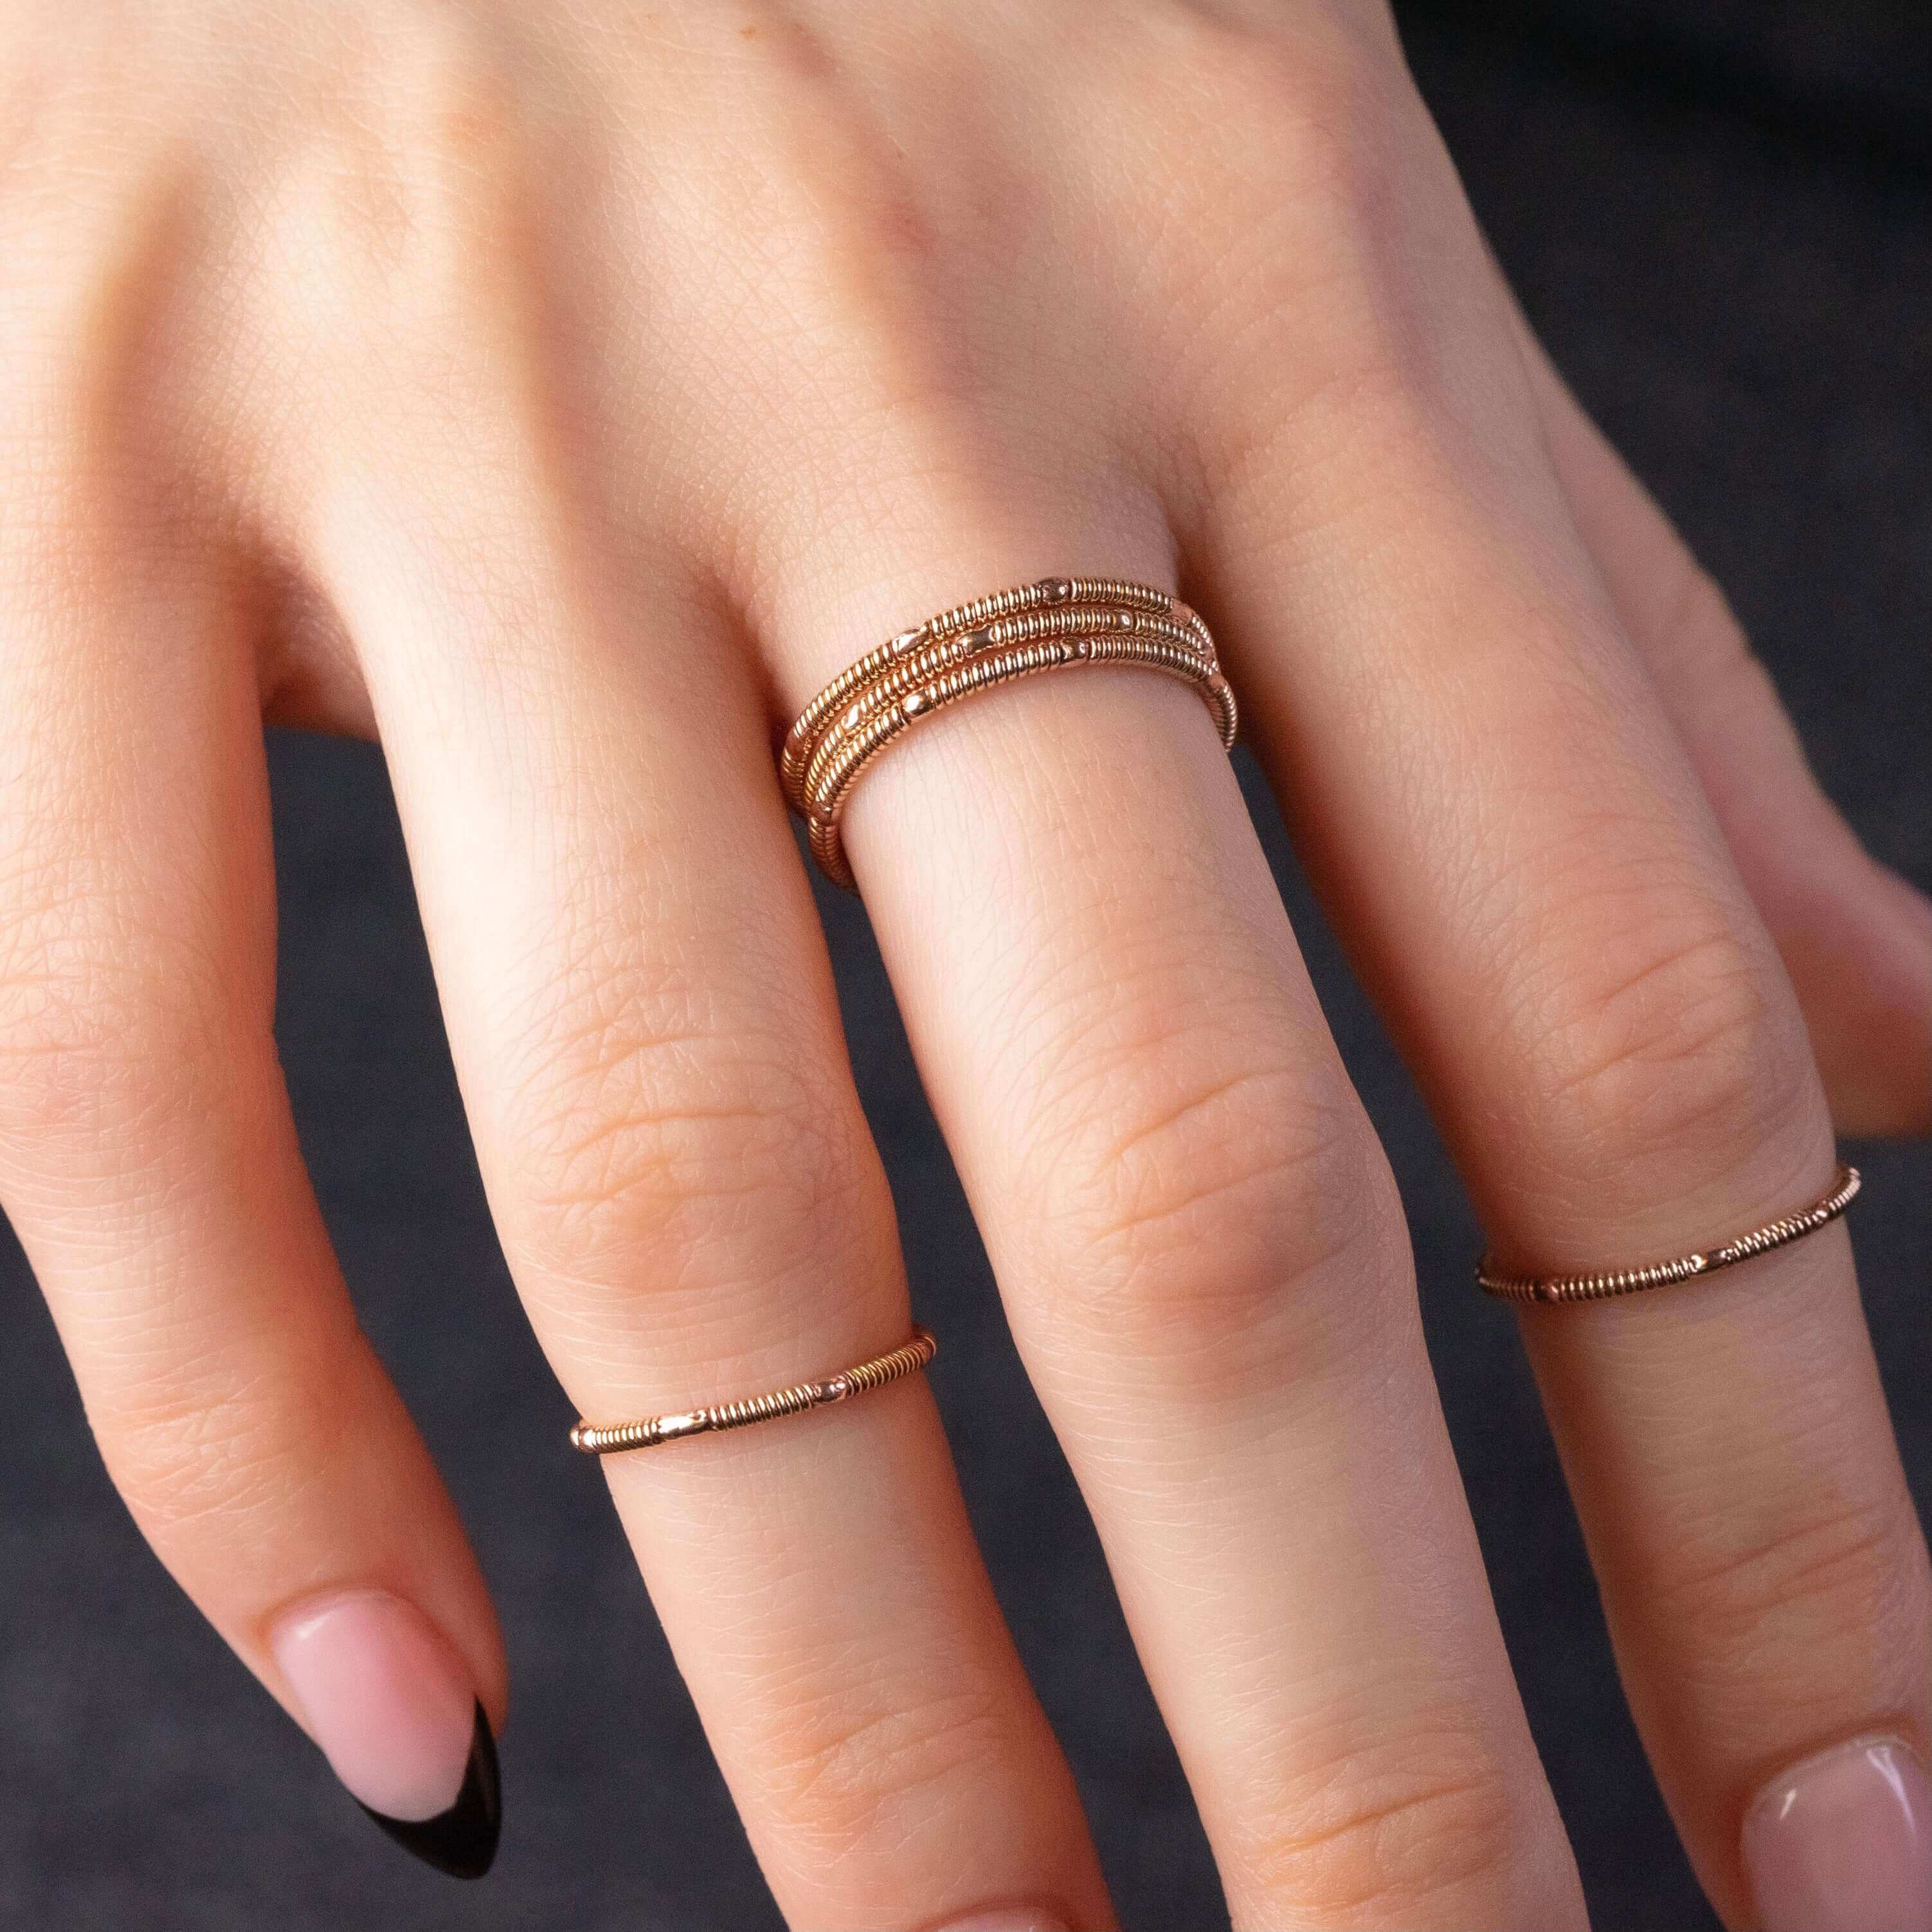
{"x":561,"y":394}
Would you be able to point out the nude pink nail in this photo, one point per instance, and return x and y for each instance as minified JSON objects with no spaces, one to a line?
{"x":394,"y":1710}
{"x":1842,"y":1842}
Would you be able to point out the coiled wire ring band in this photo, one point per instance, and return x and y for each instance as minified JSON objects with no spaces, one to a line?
{"x":1059,"y":622}
{"x":1777,"y":1233}
{"x":612,"y":1439}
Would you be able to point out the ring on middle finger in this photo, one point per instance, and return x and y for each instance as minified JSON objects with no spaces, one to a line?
{"x":1056,"y":623}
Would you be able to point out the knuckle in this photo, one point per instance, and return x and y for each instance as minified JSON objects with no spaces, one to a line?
{"x":845,"y":1777}
{"x":1667,"y":1040}
{"x":93,"y":1048}
{"x":1781,"y":1596}
{"x":1259,"y":1139}
{"x":650,"y":1168}
{"x":1393,"y":1838}
{"x":1184,"y":1182}
{"x":657,"y":1136}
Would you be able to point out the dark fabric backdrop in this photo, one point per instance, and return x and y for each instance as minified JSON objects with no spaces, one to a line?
{"x":1717,"y":214}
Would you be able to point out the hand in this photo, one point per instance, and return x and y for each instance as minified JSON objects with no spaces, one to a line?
{"x":562,"y":395}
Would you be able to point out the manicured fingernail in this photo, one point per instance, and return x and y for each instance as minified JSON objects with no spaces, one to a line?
{"x":397,"y":1717}
{"x":1008,"y":1918}
{"x":1842,"y":1842}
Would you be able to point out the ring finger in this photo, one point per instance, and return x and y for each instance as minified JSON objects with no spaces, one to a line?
{"x":1487,"y":791}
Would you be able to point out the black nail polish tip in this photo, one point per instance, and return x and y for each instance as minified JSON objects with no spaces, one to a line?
{"x":461,"y":1841}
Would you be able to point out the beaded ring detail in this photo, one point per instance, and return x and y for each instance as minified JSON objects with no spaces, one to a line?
{"x":1777,"y":1233}
{"x":613,"y":1438}
{"x":1058,"y":623}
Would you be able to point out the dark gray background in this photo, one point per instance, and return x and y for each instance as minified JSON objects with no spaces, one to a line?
{"x":1717,"y":214}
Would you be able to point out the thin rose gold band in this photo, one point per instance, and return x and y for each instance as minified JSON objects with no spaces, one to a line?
{"x":1777,"y":1233}
{"x":1058,"y":623}
{"x":611,"y":1439}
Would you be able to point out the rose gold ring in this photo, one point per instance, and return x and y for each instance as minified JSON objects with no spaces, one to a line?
{"x":611,"y":1439}
{"x":1059,"y":623}
{"x":1777,"y":1233}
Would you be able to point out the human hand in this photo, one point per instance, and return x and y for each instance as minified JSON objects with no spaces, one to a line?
{"x":563,"y":394}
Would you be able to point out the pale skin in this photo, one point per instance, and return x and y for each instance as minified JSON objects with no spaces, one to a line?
{"x":560,"y":394}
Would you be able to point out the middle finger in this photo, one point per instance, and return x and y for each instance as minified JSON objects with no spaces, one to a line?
{"x":1197,"y":1236}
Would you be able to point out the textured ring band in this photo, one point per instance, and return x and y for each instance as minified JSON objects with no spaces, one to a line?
{"x":1057,"y":623}
{"x":1777,"y":1233}
{"x":612,"y":1439}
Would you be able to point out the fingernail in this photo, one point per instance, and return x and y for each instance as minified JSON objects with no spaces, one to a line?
{"x":400,"y":1723}
{"x":1842,"y":1842}
{"x":1008,"y":1918}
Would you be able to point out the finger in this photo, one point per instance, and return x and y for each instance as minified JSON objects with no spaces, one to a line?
{"x":1195,"y":1233}
{"x":643,"y":1023}
{"x":1855,"y":937}
{"x":148,"y":1162}
{"x":1502,"y":819}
